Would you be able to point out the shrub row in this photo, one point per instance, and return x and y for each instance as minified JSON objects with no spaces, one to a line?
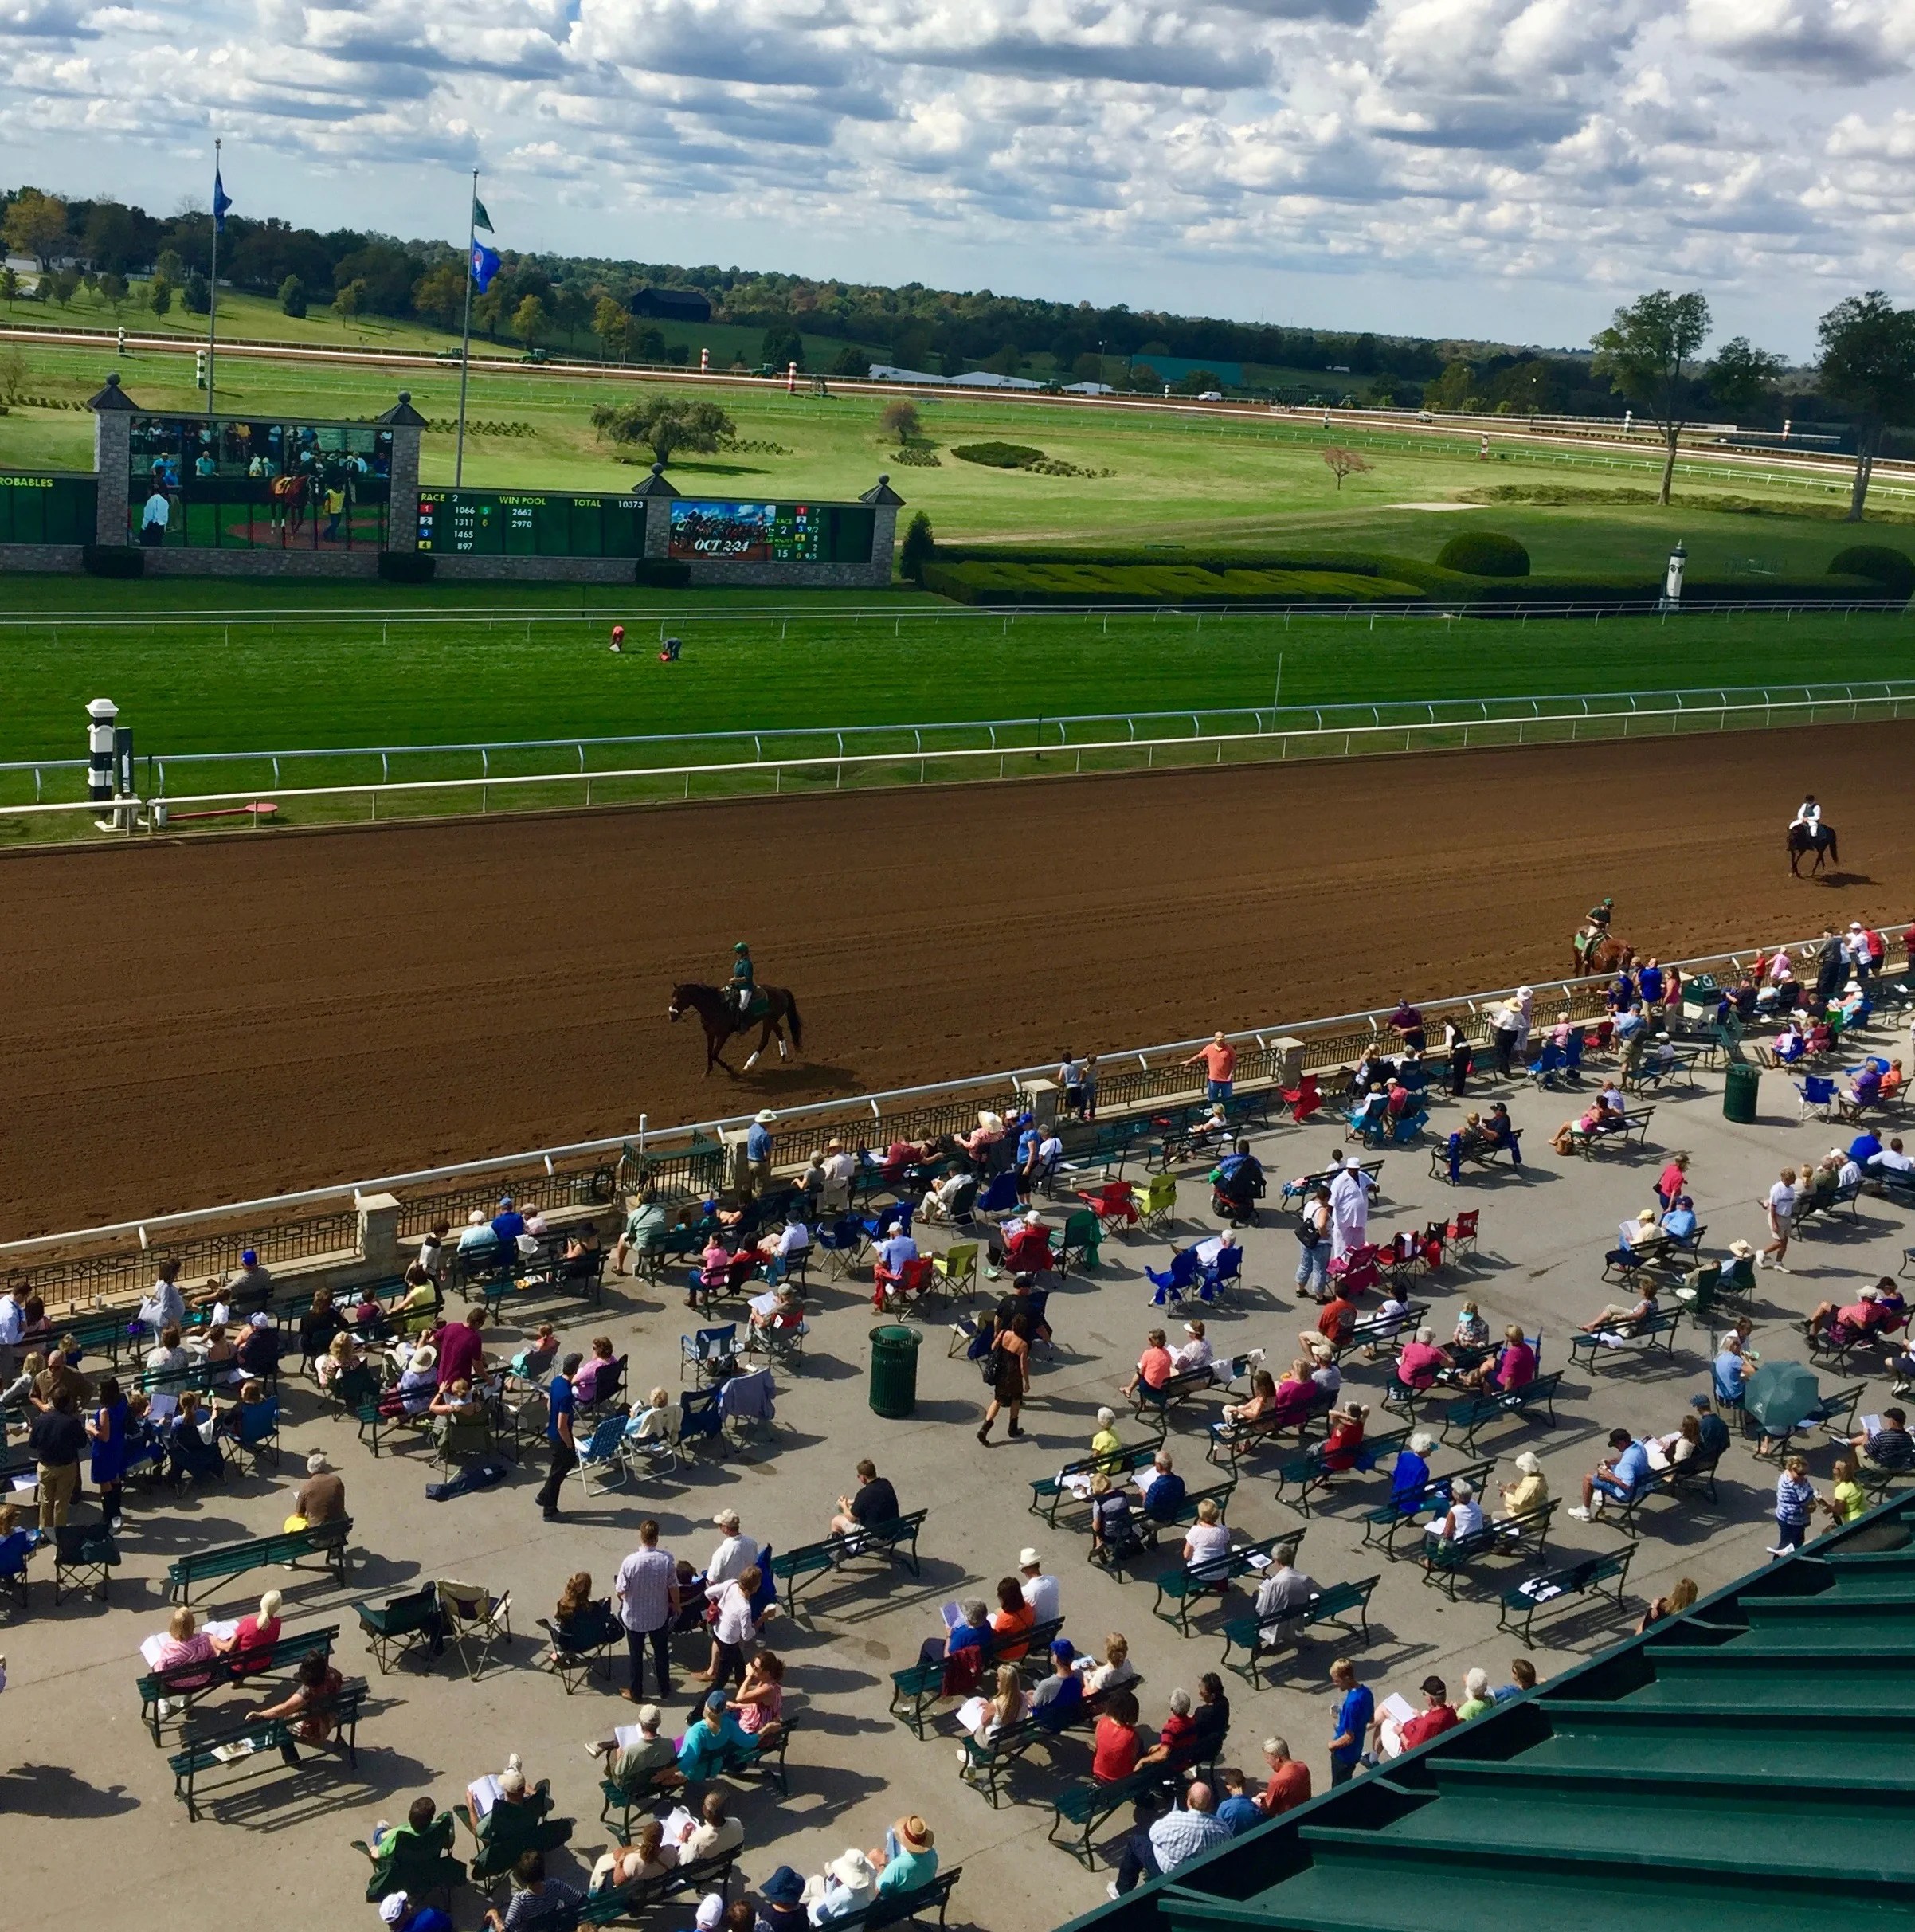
{"x":449,"y":426}
{"x":911,"y":457}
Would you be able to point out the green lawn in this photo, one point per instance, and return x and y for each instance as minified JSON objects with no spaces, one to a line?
{"x":330,"y":678}
{"x":1178,"y":477}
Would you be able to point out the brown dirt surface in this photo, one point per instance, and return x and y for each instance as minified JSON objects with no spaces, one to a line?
{"x":210,"y":1019}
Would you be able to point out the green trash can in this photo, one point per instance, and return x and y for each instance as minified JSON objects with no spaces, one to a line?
{"x":1739,"y":1090}
{"x":894,"y":1370}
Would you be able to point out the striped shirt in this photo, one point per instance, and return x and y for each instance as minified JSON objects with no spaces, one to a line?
{"x":1793,"y":1496}
{"x":644,"y":1589}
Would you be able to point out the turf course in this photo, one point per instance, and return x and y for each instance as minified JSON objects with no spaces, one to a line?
{"x":331,"y":678}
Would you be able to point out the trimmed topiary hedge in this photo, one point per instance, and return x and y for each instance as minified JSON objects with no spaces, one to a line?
{"x":999,"y":455}
{"x":1892,"y":569}
{"x":1484,"y":553}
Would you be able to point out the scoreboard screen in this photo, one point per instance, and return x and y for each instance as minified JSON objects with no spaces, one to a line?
{"x":502,"y":524}
{"x":746,"y":533}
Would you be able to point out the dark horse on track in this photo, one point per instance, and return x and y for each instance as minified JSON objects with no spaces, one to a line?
{"x":1820,"y":840}
{"x":713,"y":1007}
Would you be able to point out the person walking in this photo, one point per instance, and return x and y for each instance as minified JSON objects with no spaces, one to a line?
{"x":561,"y":1408}
{"x":1457,"y":1051}
{"x":646,"y":1597}
{"x":1780,"y":1206}
{"x":1011,"y":1377}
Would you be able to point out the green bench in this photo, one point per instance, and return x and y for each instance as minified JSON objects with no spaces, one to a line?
{"x":1652,"y":1331}
{"x":1382,"y":1525}
{"x":895,"y":1544}
{"x":224,"y":1673}
{"x":1182,"y":1588}
{"x":1333,"y":1606}
{"x":618,"y":1903}
{"x":246,"y":1742}
{"x":1047,"y":1492}
{"x":328,"y":1541}
{"x":1551,"y":1588}
{"x":1471,"y":1417}
{"x":1146,"y":1527}
{"x":1082,"y":1807}
{"x":1305,"y":1471}
{"x":1694,"y":1475}
{"x":1524,"y":1535}
{"x":923,"y":1684}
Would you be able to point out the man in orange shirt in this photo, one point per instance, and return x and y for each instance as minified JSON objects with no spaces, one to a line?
{"x":1220,"y":1063}
{"x":1289,"y":1785}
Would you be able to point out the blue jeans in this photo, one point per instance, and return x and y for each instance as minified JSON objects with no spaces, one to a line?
{"x":1313,"y":1267}
{"x":1218,"y":1090}
{"x":1138,"y":1863}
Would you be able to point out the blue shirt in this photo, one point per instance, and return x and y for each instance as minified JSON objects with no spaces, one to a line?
{"x":558,"y":1394}
{"x":1679,"y":1224}
{"x":893,"y":1253}
{"x":1864,"y":1147}
{"x":1409,"y":1476}
{"x":1027,"y":1143}
{"x":757,"y":1141}
{"x":1732,"y":1371}
{"x":1165,"y":1495}
{"x":1649,"y":984}
{"x":507,"y":1227}
{"x":1632,"y":1465}
{"x":1237,"y":1815}
{"x":1353,"y":1716}
{"x":428,"y":1918}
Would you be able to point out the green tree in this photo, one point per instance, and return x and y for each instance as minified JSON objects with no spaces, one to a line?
{"x":1453,"y":391}
{"x":170,"y":268}
{"x":1646,"y":353}
{"x":1007,"y":361}
{"x":899,"y":420}
{"x":665,"y":424}
{"x":347,"y":302}
{"x":293,"y":297}
{"x":10,"y":286}
{"x":159,"y":294}
{"x":438,"y":295}
{"x":112,"y":287}
{"x":917,"y":549}
{"x":571,"y":311}
{"x":12,"y":376}
{"x":531,"y":322}
{"x":851,"y":361}
{"x":782,"y":345}
{"x":197,"y":295}
{"x":1742,"y":377}
{"x":36,"y":226}
{"x":612,"y":326}
{"x":1088,"y":369}
{"x":64,"y":285}
{"x":1868,"y":368}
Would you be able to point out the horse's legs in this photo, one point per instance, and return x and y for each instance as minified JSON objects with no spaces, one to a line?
{"x":778,"y":1034}
{"x":764,"y":1035}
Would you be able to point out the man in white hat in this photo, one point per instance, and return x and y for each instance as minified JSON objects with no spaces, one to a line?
{"x":848,"y":1885}
{"x":1349,"y":1210}
{"x":397,"y":1909}
{"x":733,"y":1556}
{"x":758,"y":1150}
{"x":1040,"y":1591}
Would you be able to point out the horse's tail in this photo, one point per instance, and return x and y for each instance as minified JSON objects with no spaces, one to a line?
{"x":791,"y":1014}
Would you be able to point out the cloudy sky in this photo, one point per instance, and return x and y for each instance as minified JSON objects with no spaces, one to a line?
{"x":1505,"y":168}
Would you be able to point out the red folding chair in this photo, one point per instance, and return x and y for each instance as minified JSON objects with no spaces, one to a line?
{"x":1461,"y":1230}
{"x":1358,"y":1281}
{"x":901,"y":1290}
{"x":1303,"y":1099}
{"x":1113,"y":1204}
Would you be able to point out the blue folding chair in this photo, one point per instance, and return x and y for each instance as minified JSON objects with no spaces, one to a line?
{"x":877,"y":1225}
{"x":1405,"y":1127}
{"x":603,"y":1456}
{"x":842,"y":1241}
{"x":704,"y":1352}
{"x":1000,"y":1198}
{"x":1573,"y":1053}
{"x":1818,"y":1096}
{"x":1547,"y":1064}
{"x":699,"y":1416}
{"x":1179,"y":1280}
{"x":1221,"y":1273}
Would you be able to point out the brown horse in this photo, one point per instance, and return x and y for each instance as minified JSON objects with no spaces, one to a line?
{"x":714,"y":1006}
{"x":1608,"y":955}
{"x":1820,"y":840}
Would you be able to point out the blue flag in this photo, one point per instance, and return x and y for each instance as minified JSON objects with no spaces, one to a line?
{"x":485,"y":265}
{"x":221,"y":201}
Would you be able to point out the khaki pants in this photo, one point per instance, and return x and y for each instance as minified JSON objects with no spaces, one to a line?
{"x":58,"y":1488}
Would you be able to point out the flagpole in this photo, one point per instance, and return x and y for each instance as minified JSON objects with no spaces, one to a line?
{"x":465,"y":345}
{"x":213,"y":288}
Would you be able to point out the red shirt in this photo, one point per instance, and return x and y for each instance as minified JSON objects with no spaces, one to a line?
{"x":1333,"y":1322}
{"x":1417,"y":1365}
{"x":1219,"y":1062}
{"x":1340,"y":1448}
{"x":1116,"y":1756}
{"x":1154,"y":1365}
{"x":1177,"y":1732}
{"x":1517,"y":1367}
{"x":461,"y":1347}
{"x":1289,"y":1786}
{"x":1427,"y":1724}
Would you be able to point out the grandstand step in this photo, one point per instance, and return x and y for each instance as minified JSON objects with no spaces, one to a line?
{"x":1749,"y":1740}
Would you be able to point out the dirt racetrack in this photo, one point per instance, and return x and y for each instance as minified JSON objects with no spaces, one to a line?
{"x":190,"y":1023}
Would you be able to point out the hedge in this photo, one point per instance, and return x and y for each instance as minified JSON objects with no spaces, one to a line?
{"x":1485,"y":553}
{"x":1892,"y":569}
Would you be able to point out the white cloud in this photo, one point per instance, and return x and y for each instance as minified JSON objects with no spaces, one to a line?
{"x":1535,"y":160}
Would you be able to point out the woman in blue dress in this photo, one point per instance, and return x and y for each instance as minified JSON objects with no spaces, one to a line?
{"x":108,"y":1428}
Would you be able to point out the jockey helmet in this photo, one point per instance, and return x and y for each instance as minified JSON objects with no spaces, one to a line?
{"x":741,"y":947}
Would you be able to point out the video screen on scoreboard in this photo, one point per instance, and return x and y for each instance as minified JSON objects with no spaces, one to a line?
{"x":745,"y":533}
{"x":498,"y":523}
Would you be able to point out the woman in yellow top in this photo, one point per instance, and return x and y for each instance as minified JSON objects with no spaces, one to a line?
{"x":1530,"y":1490}
{"x":1104,"y":1445}
{"x":1845,"y":1501}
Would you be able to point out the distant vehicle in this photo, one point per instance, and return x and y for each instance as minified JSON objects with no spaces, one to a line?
{"x":1210,"y":395}
{"x":533,"y":356}
{"x":1424,"y":416}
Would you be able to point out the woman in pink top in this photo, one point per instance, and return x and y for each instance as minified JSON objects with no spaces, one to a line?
{"x":759,"y":1701}
{"x":250,"y":1646}
{"x":1417,"y":1365}
{"x":186,"y":1643}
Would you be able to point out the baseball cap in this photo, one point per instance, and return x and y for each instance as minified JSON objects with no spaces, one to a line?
{"x":726,"y":1519}
{"x":393,"y":1907}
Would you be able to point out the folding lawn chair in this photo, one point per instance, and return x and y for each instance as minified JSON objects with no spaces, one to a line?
{"x":476,"y":1622}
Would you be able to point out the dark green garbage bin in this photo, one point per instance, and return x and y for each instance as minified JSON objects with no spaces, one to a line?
{"x":1739,"y":1094}
{"x":894,"y":1370}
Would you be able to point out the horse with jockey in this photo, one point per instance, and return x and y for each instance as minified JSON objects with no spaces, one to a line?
{"x":1808,"y":834}
{"x":1591,"y":933}
{"x":737,"y":1006}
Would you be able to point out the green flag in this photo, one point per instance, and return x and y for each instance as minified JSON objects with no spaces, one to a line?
{"x":480,"y":218}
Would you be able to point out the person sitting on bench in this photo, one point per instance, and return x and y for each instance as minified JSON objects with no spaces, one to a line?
{"x":1875,"y":1310}
{"x":875,"y":1504}
{"x":1462,"y":1519}
{"x":314,"y":1703}
{"x":1616,"y":1479}
{"x":1616,"y":1318}
{"x":1285,"y":1592}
